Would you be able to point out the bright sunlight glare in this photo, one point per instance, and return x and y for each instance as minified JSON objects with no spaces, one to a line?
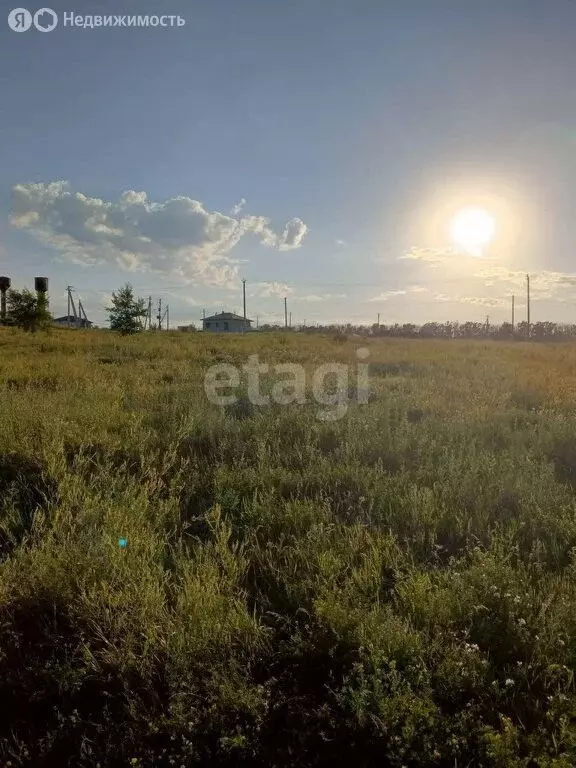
{"x":472,"y":229}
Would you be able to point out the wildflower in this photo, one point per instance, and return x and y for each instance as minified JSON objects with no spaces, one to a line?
{"x":522,"y":622}
{"x":508,"y":682}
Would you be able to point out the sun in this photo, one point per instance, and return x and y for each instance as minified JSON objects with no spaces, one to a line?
{"x":473,"y":229}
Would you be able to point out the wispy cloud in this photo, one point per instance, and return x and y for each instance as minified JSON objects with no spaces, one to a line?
{"x":314,"y":297}
{"x":433,"y":255}
{"x":543,"y":285}
{"x":483,"y":301}
{"x":386,"y":295}
{"x":238,"y":207}
{"x":267,"y":290}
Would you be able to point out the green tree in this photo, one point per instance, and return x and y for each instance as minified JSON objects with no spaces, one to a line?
{"x":28,"y":310}
{"x":126,"y":312}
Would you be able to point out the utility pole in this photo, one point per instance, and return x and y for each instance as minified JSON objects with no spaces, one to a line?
{"x":512,"y":313}
{"x":528,"y":302}
{"x":82,"y":312}
{"x":378,"y":319}
{"x":244,"y":299}
{"x":257,"y":322}
{"x":167,"y":316}
{"x":290,"y":323}
{"x":148,"y":318}
{"x":160,"y":314}
{"x":285,"y":312}
{"x":71,"y":304}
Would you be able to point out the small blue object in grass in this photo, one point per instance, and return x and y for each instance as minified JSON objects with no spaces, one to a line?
{"x":123,"y":543}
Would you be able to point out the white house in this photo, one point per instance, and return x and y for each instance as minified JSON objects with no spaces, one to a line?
{"x":226,"y":322}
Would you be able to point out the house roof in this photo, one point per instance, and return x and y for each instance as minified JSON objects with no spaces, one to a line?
{"x":227,"y":316}
{"x":72,"y":319}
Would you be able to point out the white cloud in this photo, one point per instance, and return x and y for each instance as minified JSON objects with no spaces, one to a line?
{"x":433,"y":255}
{"x":387,"y":295}
{"x":483,"y":301}
{"x":543,"y":285}
{"x":320,"y":297}
{"x":266,"y":290}
{"x":401,"y":292}
{"x":294,"y":232}
{"x":238,"y":207}
{"x":177,"y":237}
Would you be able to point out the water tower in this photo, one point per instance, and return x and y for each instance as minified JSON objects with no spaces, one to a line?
{"x":41,"y":288}
{"x":5,"y":284}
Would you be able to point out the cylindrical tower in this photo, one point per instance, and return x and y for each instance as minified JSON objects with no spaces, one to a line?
{"x":5,"y":284}
{"x":41,"y":286}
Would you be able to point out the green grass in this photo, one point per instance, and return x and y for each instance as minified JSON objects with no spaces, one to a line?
{"x":396,"y":588}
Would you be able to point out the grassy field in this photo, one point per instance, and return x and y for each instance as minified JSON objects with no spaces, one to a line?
{"x":394,"y":588}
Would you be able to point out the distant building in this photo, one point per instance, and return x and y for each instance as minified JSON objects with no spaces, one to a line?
{"x":187,"y":328}
{"x":72,"y":322}
{"x":226,"y":322}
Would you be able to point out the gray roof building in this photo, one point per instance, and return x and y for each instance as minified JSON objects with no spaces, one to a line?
{"x":226,"y":322}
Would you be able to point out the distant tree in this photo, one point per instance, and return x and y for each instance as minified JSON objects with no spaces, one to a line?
{"x":28,"y":310}
{"x":504,"y":332}
{"x":126,"y":313}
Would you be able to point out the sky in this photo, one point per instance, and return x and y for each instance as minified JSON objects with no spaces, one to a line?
{"x":317,"y":149}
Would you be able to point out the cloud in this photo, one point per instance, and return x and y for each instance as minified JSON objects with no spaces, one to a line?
{"x":433,"y":255}
{"x":483,"y":301}
{"x":543,"y":285}
{"x":387,"y":295}
{"x":401,"y":292}
{"x":177,"y":237}
{"x":320,"y":297}
{"x":294,"y":232}
{"x":266,"y":290}
{"x":238,"y":207}
{"x":339,"y":243}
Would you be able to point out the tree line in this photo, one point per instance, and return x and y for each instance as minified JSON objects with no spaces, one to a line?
{"x":29,"y":311}
{"x":539,"y":331}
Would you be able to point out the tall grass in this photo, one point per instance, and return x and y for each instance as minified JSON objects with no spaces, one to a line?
{"x":396,"y":588}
